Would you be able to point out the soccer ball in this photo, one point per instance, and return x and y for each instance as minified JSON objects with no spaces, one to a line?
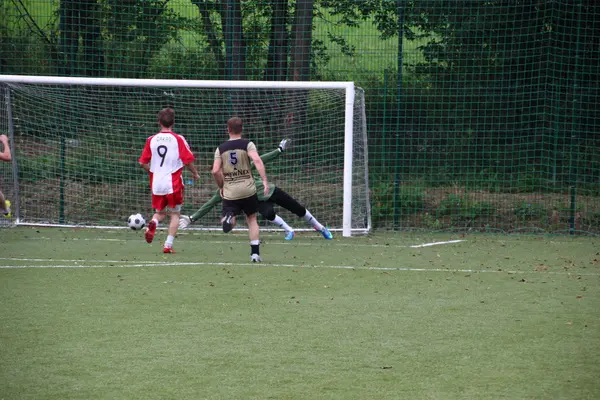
{"x":136,"y":221}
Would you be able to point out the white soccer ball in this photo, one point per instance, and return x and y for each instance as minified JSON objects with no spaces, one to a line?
{"x":136,"y":221}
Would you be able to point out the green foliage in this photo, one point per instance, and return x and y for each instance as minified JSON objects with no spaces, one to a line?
{"x":451,"y":205}
{"x":87,"y":167}
{"x":30,"y":168}
{"x":591,"y":220}
{"x":27,"y":45}
{"x":527,"y":211}
{"x":461,"y":207}
{"x":136,"y":30}
{"x":174,"y":62}
{"x":381,"y":203}
{"x":387,"y":199}
{"x":409,"y":199}
{"x":431,"y":222}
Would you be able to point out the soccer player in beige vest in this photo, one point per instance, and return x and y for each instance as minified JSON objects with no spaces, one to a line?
{"x":233,"y":174}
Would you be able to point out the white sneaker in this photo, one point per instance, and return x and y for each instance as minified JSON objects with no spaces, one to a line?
{"x":255,"y":258}
{"x":184,"y":221}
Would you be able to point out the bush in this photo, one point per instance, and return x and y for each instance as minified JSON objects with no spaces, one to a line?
{"x":461,"y":208}
{"x":388,"y":203}
{"x":527,"y":211}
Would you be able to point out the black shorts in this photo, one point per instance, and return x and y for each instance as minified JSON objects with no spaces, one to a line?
{"x":248,"y":205}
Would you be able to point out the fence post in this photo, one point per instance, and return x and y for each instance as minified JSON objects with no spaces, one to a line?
{"x":400,"y":9}
{"x":574,"y":122}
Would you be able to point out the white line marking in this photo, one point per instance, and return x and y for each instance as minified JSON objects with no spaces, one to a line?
{"x":255,"y":265}
{"x":75,"y":260}
{"x":436,"y":243}
{"x":269,"y":243}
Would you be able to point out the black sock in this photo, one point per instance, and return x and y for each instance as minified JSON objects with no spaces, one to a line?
{"x":254,"y":249}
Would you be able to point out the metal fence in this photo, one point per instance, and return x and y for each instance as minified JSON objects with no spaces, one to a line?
{"x":480,"y":115}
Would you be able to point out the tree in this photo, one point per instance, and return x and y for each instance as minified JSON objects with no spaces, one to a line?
{"x":215,"y":43}
{"x":79,"y":19}
{"x":233,"y":31}
{"x":301,"y":41}
{"x":276,"y":69}
{"x":17,"y":43}
{"x":135,"y":31}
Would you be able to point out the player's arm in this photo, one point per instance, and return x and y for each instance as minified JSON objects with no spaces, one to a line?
{"x":187,"y":157}
{"x":218,"y":173}
{"x":192,"y":168}
{"x":146,"y":156}
{"x":187,"y":220}
{"x":260,"y":167}
{"x":270,"y":156}
{"x":6,"y":154}
{"x":206,"y":207}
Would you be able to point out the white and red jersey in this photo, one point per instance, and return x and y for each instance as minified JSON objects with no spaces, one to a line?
{"x":167,"y":153}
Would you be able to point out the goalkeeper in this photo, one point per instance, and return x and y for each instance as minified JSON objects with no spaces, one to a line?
{"x":266,"y":204}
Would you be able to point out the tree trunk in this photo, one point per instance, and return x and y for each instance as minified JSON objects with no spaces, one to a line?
{"x":278,"y":43}
{"x":234,"y":41}
{"x":295,"y":120}
{"x":80,"y":18}
{"x":69,"y":35}
{"x":93,"y":53}
{"x":301,"y":41}
{"x":214,"y":42}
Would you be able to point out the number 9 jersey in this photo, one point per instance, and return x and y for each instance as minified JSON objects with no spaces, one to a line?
{"x":167,"y":153}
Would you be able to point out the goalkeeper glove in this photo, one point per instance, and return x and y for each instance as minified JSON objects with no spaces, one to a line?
{"x":283,"y":145}
{"x":184,"y":221}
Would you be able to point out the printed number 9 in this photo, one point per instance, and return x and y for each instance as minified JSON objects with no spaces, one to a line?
{"x":162,"y":153}
{"x":233,"y":158}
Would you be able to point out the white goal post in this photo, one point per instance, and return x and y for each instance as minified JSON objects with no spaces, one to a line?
{"x":13,"y":85}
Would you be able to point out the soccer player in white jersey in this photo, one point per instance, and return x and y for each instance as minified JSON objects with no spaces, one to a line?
{"x":232,"y":172}
{"x":164,"y":156}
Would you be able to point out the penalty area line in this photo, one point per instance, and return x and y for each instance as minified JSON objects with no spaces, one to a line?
{"x":304,"y":266}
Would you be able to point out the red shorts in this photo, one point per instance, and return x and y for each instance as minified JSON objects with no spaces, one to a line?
{"x":172,"y":200}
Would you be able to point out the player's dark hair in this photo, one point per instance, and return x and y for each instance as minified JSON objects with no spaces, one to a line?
{"x":235,"y":125}
{"x":166,"y":117}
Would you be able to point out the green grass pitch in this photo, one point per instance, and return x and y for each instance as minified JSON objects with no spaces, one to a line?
{"x":93,"y":314}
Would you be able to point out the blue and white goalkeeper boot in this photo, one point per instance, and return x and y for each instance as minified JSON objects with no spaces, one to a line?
{"x":289,"y":235}
{"x":326,"y":234}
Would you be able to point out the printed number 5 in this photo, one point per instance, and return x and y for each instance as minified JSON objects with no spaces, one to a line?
{"x":233,"y":158}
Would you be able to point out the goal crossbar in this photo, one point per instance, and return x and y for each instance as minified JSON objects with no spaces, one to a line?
{"x":64,"y":80}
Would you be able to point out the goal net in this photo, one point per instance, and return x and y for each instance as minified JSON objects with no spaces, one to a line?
{"x":77,"y":142}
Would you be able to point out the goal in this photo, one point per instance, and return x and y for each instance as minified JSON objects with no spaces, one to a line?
{"x":77,"y":141}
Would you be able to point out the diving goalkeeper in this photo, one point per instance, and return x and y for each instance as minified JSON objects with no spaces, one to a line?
{"x":266,"y":204}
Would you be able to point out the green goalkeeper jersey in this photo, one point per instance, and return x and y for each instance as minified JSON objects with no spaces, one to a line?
{"x":260,"y":188}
